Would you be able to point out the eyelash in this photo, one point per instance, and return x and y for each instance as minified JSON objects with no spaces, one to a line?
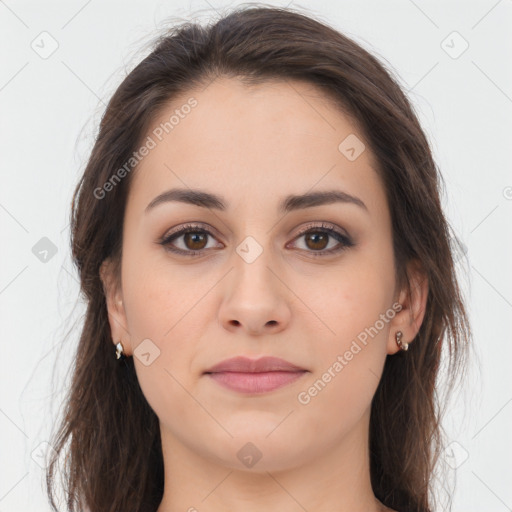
{"x":345,"y":241}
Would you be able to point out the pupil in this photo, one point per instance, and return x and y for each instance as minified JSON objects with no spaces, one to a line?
{"x":194,"y":238}
{"x":312,"y":237}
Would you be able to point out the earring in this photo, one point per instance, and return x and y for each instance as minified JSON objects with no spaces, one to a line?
{"x":402,"y":344}
{"x":119,"y":350}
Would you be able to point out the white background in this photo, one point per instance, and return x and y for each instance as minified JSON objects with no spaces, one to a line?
{"x":50,"y":109}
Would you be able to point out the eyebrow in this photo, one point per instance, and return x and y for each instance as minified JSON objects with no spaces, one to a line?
{"x":290,"y":203}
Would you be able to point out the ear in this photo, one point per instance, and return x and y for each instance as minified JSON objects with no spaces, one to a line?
{"x":115,"y":306}
{"x":414,"y":304}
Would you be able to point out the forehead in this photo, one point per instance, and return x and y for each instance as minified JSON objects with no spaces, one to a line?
{"x":255,"y":143}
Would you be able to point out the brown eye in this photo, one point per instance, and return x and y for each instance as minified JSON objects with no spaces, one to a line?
{"x":195,"y":240}
{"x":317,"y":240}
{"x":189,"y":240}
{"x":323,"y":240}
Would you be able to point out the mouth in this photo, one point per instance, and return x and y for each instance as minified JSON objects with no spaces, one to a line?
{"x":262,"y":382}
{"x":263,"y":375}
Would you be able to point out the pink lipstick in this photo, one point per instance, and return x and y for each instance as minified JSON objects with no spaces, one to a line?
{"x":262,"y":375}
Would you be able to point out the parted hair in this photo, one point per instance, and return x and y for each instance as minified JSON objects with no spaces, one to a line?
{"x":108,"y":433}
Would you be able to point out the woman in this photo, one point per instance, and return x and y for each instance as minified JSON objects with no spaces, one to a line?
{"x":269,"y":282}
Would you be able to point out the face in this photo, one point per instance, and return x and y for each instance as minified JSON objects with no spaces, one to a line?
{"x":258,"y":274}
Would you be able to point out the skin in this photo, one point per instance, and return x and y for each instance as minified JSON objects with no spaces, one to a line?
{"x":254,"y":146}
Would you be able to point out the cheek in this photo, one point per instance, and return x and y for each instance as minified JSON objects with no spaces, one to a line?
{"x":163,"y":308}
{"x":161,"y":321}
{"x":350,"y":297}
{"x":160,"y":298}
{"x":354,"y":302}
{"x":348,"y":364}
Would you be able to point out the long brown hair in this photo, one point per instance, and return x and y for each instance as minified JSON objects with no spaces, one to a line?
{"x":109,"y":433}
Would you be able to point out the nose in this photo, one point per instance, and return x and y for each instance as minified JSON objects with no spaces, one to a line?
{"x":255,"y":299}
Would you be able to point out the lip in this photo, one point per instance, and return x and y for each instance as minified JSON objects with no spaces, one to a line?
{"x":262,"y":375}
{"x":247,"y":365}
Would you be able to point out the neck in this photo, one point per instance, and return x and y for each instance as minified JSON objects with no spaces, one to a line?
{"x":336,"y":480}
